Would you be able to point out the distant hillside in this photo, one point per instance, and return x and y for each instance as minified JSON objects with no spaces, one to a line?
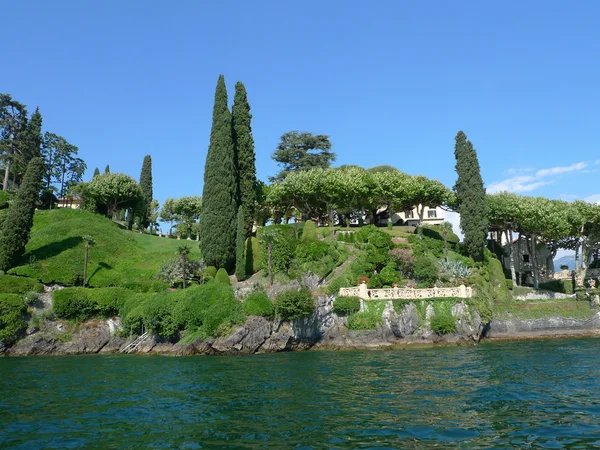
{"x":568,"y":260}
{"x":55,"y":252}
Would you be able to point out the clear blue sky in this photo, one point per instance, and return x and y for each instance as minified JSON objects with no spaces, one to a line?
{"x":390,"y":81}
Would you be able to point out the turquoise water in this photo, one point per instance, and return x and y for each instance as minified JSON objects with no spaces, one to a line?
{"x":543,"y":394}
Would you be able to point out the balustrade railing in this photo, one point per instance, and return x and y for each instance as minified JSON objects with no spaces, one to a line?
{"x":364,"y":293}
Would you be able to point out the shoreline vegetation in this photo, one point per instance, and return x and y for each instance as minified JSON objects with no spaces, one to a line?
{"x":257,"y":267}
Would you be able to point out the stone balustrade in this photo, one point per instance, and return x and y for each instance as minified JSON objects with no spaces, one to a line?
{"x":364,"y":293}
{"x":567,"y":274}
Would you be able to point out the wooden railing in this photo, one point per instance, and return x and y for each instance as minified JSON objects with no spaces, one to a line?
{"x":364,"y":293}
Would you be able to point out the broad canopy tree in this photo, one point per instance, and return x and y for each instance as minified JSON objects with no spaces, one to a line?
{"x":298,"y":151}
{"x":116,"y":191}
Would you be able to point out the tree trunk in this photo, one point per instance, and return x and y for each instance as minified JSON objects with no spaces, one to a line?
{"x":6,"y":174}
{"x":511,"y":261}
{"x":420,"y":212}
{"x":577,"y":257}
{"x":534,"y":262}
{"x":445,"y":244}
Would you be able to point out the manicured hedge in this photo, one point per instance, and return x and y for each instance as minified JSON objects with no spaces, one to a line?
{"x":222,"y":276}
{"x":12,"y":318}
{"x":84,"y":303}
{"x":10,"y":284}
{"x":253,"y":255}
{"x":562,"y":286}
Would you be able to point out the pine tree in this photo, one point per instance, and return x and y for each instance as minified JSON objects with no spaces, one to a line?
{"x":107,"y":169}
{"x":240,"y":244}
{"x":219,"y":195}
{"x":96,"y":172}
{"x":32,"y":137}
{"x":246,"y":158}
{"x":19,"y":219}
{"x":146,"y":185}
{"x":470,"y":195}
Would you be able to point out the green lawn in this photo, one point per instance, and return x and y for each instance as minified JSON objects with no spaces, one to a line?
{"x":55,"y":252}
{"x":538,"y":309}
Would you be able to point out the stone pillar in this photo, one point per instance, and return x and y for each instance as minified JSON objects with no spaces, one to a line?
{"x":463,"y":291}
{"x":362,"y":305}
{"x":362,"y":291}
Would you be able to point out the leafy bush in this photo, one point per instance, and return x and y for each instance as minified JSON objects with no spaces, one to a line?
{"x":258,"y":304}
{"x":4,"y":199}
{"x":374,"y":236}
{"x":443,"y":324}
{"x":509,"y":284}
{"x":12,"y":318}
{"x":73,"y":304}
{"x":283,"y":242}
{"x":368,"y":319}
{"x":290,"y":305}
{"x":425,"y":270}
{"x":253,"y":255}
{"x":176,"y":270}
{"x":423,"y":245}
{"x":346,"y":305}
{"x":10,"y":284}
{"x":387,"y":277}
{"x":326,"y":232}
{"x":221,"y":315}
{"x":436,"y":232}
{"x":157,"y":314}
{"x":222,"y":277}
{"x":210,"y":271}
{"x":309,"y":231}
{"x":404,"y":259}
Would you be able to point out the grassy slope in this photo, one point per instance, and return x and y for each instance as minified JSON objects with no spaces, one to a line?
{"x":55,"y":251}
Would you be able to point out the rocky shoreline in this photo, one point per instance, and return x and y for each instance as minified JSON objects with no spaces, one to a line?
{"x":322,"y":330}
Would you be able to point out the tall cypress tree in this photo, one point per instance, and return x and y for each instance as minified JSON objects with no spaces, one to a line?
{"x":107,"y":169}
{"x":219,"y":195}
{"x":240,"y":243}
{"x":470,"y":195}
{"x":246,"y":158}
{"x":146,"y":185}
{"x":32,"y":137}
{"x":19,"y":219}
{"x":96,"y":172}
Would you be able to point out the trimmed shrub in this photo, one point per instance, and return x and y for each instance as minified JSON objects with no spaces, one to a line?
{"x":12,"y":318}
{"x":283,"y":241}
{"x":562,"y":286}
{"x":258,"y":304}
{"x":425,"y":270}
{"x":253,"y":255}
{"x":509,"y":284}
{"x":374,"y":236}
{"x":221,"y":315}
{"x":109,"y":300}
{"x":157,"y":313}
{"x":290,"y":305}
{"x":443,"y":324}
{"x":210,"y":271}
{"x":368,"y":319}
{"x":222,"y":277}
{"x":309,"y":231}
{"x":10,"y":284}
{"x":346,"y":305}
{"x":387,"y":277}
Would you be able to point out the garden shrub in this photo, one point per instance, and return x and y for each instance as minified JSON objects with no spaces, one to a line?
{"x":436,"y":232}
{"x":157,"y":313}
{"x":404,"y":259}
{"x":222,"y":277}
{"x":368,"y":319}
{"x":326,"y":232}
{"x":292,"y":304}
{"x":10,"y":284}
{"x":221,"y":315}
{"x":12,"y":318}
{"x":374,"y":236}
{"x":253,"y":255}
{"x":309,"y":231}
{"x":425,"y":270}
{"x":109,"y":300}
{"x":387,"y":277}
{"x":562,"y":286}
{"x":283,"y":241}
{"x":73,"y":304}
{"x":423,"y":245}
{"x":210,"y":271}
{"x":338,"y":282}
{"x":443,"y":324}
{"x":142,"y":285}
{"x":346,"y":305}
{"x":4,"y":199}
{"x":259,"y":304}
{"x":509,"y":284}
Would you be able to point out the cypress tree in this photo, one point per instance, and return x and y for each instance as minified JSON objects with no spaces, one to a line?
{"x":246,"y":158}
{"x":146,"y":185}
{"x":96,"y":172}
{"x":470,"y":195}
{"x":32,"y":137}
{"x":240,"y":243}
{"x":219,"y":195}
{"x":19,"y":219}
{"x":107,"y":169}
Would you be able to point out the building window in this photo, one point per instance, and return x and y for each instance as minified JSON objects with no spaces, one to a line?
{"x":432,"y":213}
{"x":409,"y":214}
{"x":525,"y":258}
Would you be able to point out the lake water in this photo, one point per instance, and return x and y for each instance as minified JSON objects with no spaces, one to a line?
{"x":542,"y":394}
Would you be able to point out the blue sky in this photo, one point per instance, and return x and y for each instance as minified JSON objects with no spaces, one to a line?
{"x":390,"y":81}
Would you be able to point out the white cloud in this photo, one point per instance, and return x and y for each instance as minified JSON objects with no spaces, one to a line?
{"x":595,"y":198}
{"x":527,"y":183}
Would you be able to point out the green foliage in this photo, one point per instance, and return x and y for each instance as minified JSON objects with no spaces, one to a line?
{"x":292,"y":304}
{"x":283,"y":241}
{"x":253,"y":255}
{"x":536,"y":309}
{"x":12,"y":318}
{"x":240,"y":260}
{"x":146,"y":185}
{"x":368,"y":319}
{"x":220,"y":193}
{"x":562,"y":286}
{"x":470,"y":196}
{"x":222,"y":277}
{"x":374,"y":236}
{"x":309,"y":231}
{"x":318,"y":257}
{"x":425,"y":270}
{"x":423,"y":245}
{"x":346,"y":305}
{"x":443,"y":322}
{"x":386,"y":278}
{"x":246,"y":158}
{"x":436,"y":232}
{"x":455,"y":269}
{"x":404,"y":260}
{"x":16,"y":227}
{"x":301,"y":151}
{"x":79,"y":303}
{"x":180,"y":270}
{"x":115,"y":191}
{"x":210,"y":272}
{"x":18,"y":285}
{"x":258,"y":304}
{"x":4,"y":199}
